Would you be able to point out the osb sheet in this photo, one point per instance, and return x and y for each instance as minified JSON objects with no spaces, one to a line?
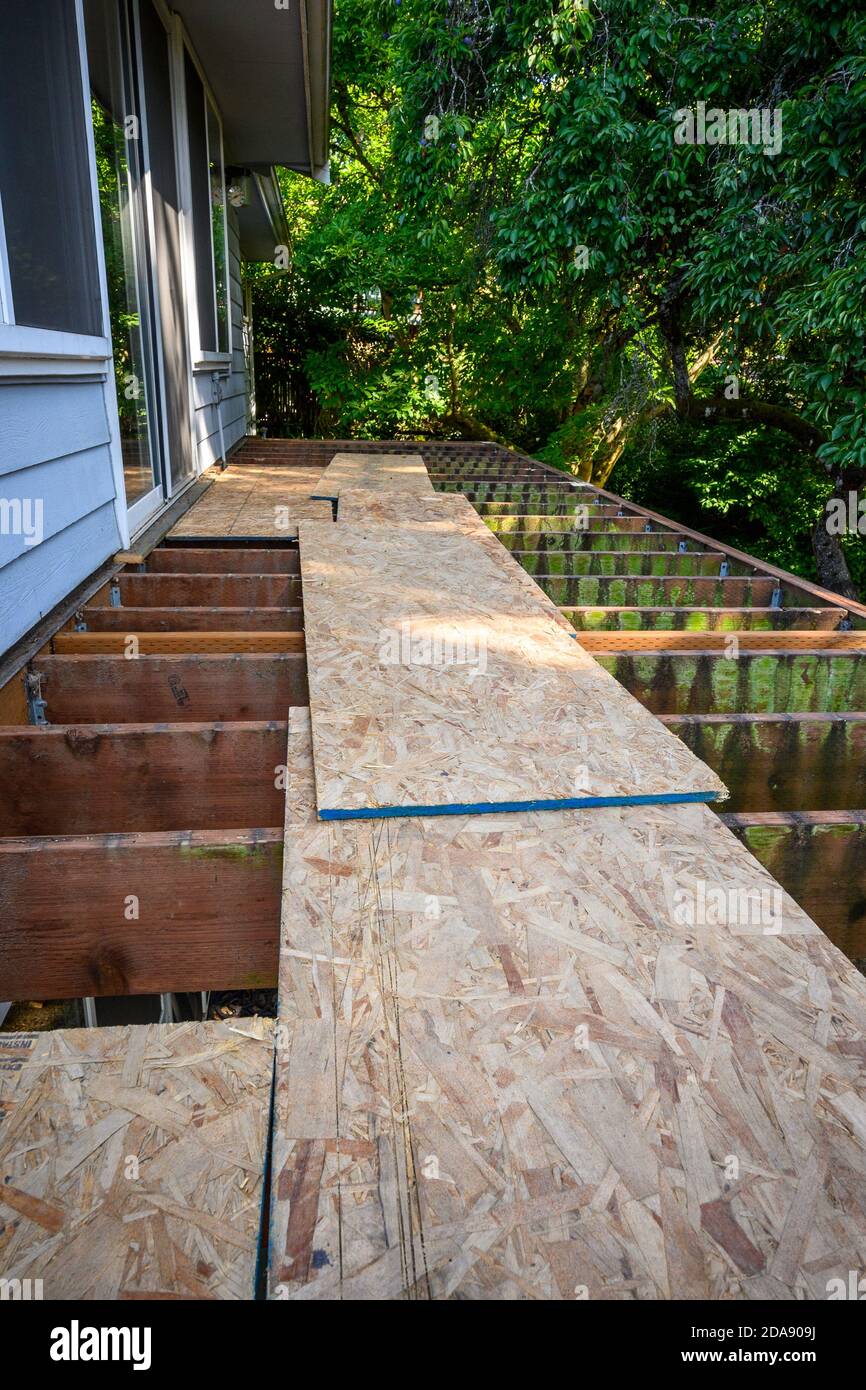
{"x":438,"y":682}
{"x":407,"y":472}
{"x":131,"y":1159}
{"x":521,"y":1057}
{"x":390,"y":505}
{"x":448,"y":512}
{"x":254,"y":500}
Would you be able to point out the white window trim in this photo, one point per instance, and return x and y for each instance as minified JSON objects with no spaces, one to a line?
{"x":30,"y":344}
{"x":27,"y":352}
{"x":227,"y":353}
{"x":203,"y":359}
{"x":51,"y":344}
{"x":7,"y":314}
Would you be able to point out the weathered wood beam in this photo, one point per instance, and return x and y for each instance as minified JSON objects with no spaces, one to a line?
{"x":561,"y":564}
{"x":139,"y":914}
{"x":775,"y":762}
{"x":204,"y":560}
{"x":700,"y":620}
{"x":193,"y":619}
{"x":154,"y":643}
{"x":13,"y":701}
{"x":112,"y":690}
{"x":566,"y":504}
{"x":553,"y":521}
{"x":655,"y":591}
{"x":209,"y":590}
{"x":767,"y":682}
{"x":665,"y":640}
{"x":577,"y":541}
{"x":817,"y":594}
{"x":820,"y":858}
{"x":94,"y":778}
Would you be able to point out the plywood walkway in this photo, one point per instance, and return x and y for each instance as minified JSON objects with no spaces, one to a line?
{"x":131,"y":1159}
{"x":552,"y":1056}
{"x":254,"y":499}
{"x":406,"y":472}
{"x":440,"y":683}
{"x":447,"y":513}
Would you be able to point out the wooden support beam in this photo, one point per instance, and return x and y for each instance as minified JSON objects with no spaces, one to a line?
{"x":650,"y":621}
{"x":564,"y":504}
{"x":13,"y":701}
{"x":706,"y":682}
{"x":545,"y":521}
{"x":819,"y":857}
{"x":177,"y":559}
{"x":579,"y":541}
{"x":814,"y":591}
{"x":112,"y":690}
{"x":775,"y":762}
{"x":209,"y":590}
{"x":778,"y":640}
{"x":561,"y":564}
{"x":572,"y":538}
{"x":194,"y":619}
{"x":655,"y":591}
{"x":154,"y":643}
{"x":139,"y":914}
{"x":84,"y":780}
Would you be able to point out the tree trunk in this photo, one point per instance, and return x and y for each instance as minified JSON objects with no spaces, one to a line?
{"x":833,"y":571}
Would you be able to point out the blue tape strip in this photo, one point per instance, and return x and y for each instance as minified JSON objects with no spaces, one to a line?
{"x":480,"y":808}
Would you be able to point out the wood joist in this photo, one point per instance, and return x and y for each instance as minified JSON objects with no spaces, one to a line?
{"x":141,"y":913}
{"x":141,"y":824}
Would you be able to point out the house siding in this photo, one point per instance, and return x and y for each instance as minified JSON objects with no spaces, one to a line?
{"x":55,"y":452}
{"x":56,"y":449}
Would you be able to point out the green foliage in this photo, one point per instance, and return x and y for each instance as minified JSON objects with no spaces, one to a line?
{"x":515,"y":244}
{"x":112,"y":175}
{"x":749,"y":486}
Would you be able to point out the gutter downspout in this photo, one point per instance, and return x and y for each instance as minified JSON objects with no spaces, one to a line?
{"x":216,"y":378}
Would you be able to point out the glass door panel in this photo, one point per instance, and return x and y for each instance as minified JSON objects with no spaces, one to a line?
{"x":117,"y":135}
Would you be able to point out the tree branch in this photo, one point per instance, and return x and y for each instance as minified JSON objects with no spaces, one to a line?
{"x":712,"y":409}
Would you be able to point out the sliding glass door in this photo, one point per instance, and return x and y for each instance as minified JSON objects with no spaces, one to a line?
{"x":117,"y":129}
{"x":155,"y":69}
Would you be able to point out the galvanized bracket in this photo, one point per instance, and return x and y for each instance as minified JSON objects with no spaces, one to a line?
{"x":36,"y":706}
{"x":724,"y":569}
{"x":776,"y":600}
{"x":114,"y":594}
{"x":683,"y":547}
{"x":79,"y":621}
